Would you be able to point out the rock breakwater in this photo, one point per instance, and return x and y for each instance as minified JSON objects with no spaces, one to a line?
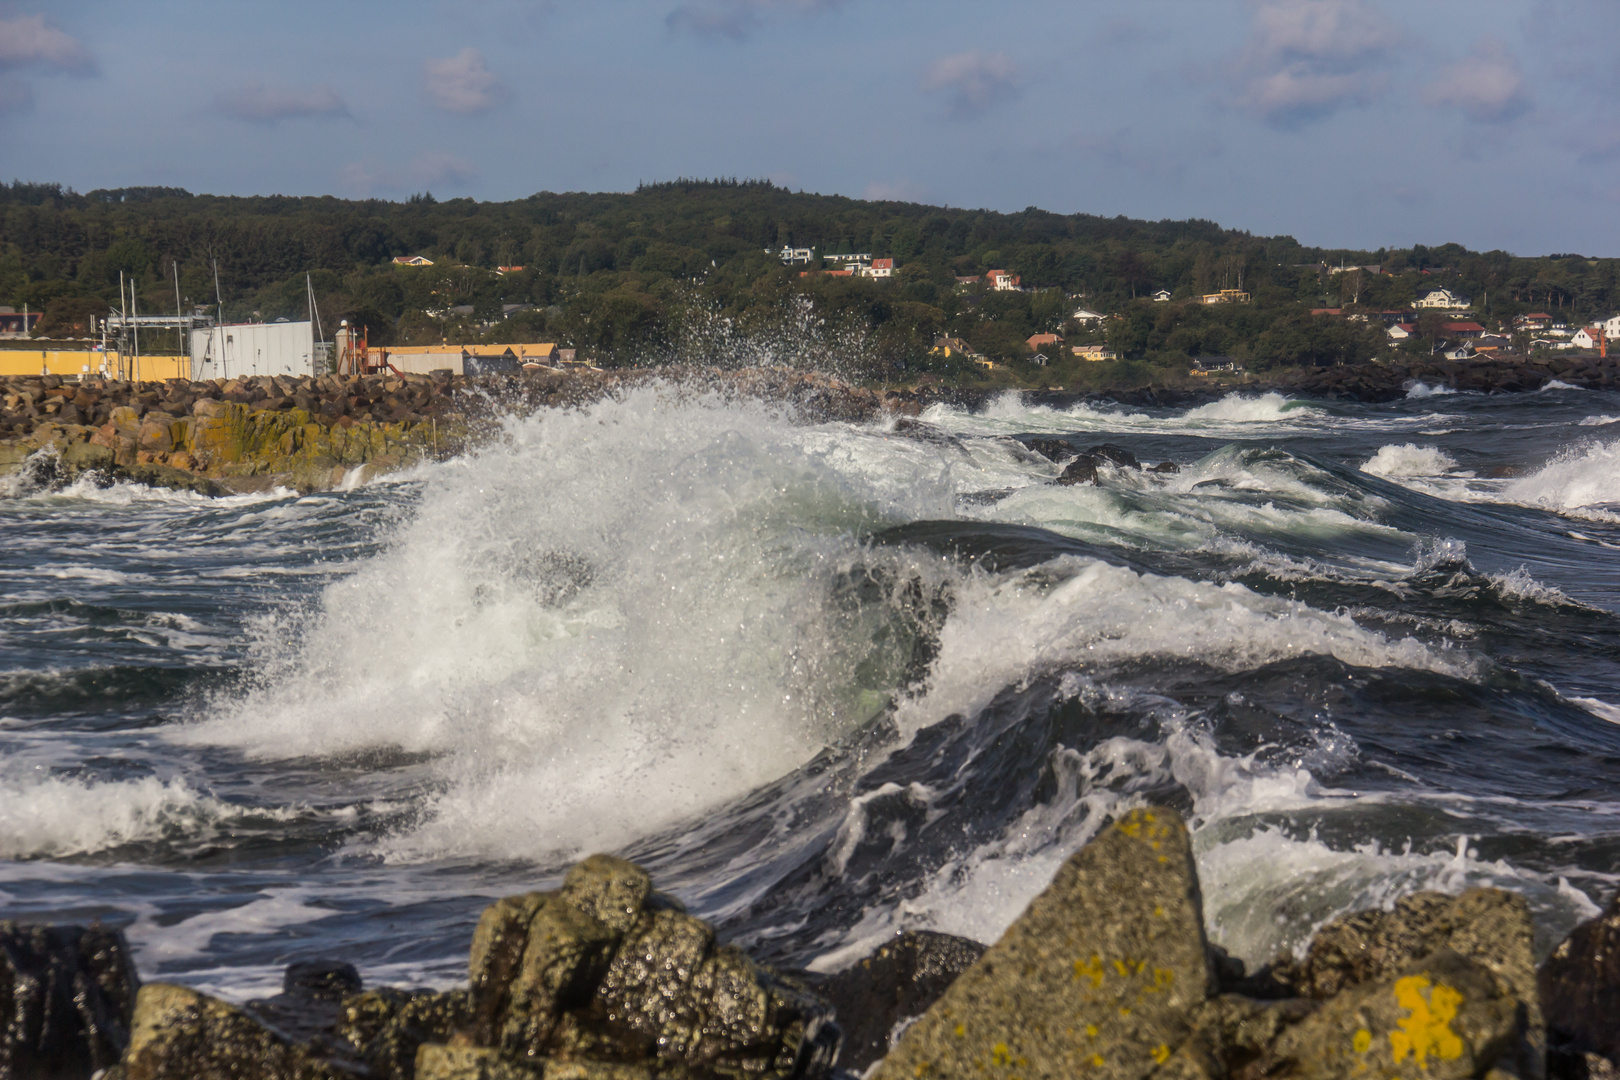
{"x":1108,"y":973}
{"x":249,"y":434}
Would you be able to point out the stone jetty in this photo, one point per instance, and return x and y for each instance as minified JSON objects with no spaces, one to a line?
{"x":250,"y":434}
{"x":1109,"y":973}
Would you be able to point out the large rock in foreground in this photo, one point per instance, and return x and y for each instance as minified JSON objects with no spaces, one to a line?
{"x":67,"y":994}
{"x":1098,"y":977}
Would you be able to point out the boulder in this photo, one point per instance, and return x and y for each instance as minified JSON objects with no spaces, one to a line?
{"x":180,"y":1034}
{"x":1082,"y":470}
{"x":896,"y":984}
{"x":1487,"y":926}
{"x":67,"y":996}
{"x":386,"y":1027}
{"x":1580,"y":991}
{"x":606,"y":969}
{"x":1446,"y":1017}
{"x":1098,"y":977}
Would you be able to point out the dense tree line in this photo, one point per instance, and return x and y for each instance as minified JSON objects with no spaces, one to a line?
{"x":687,"y":269}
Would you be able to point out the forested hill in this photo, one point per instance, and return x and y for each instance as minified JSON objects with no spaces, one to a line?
{"x":639,"y":277}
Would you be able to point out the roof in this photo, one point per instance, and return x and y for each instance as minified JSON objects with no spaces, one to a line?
{"x":1463,"y":327}
{"x":1327,"y":311}
{"x":883,"y":264}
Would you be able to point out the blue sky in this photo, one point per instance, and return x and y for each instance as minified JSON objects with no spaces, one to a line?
{"x":1357,"y":123}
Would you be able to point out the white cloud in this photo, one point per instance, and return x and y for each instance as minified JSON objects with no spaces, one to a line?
{"x":973,"y":81}
{"x":30,"y":40}
{"x":1306,"y":59}
{"x":737,"y":18}
{"x":260,"y":104}
{"x":463,"y":83}
{"x":1488,"y":86}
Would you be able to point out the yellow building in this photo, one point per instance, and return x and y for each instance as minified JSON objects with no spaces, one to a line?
{"x":74,"y":363}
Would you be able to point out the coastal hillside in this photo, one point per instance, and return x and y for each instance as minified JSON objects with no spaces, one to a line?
{"x":748,"y":272}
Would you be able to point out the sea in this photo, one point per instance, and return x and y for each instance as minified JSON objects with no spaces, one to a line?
{"x":828,"y":681}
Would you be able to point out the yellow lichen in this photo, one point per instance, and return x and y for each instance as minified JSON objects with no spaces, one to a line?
{"x":1161,"y":1054}
{"x":1426,"y":1029}
{"x":1097,"y":1060}
{"x":1362,"y":1041}
{"x":1091,"y":1031}
{"x":1092,"y":969}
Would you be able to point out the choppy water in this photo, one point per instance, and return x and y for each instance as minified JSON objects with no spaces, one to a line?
{"x":827,"y":680}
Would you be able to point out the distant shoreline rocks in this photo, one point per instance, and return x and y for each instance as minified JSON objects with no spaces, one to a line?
{"x":255,"y":433}
{"x":1108,"y":972}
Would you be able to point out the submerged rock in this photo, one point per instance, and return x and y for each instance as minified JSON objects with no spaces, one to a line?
{"x":1082,"y":470}
{"x":894,"y":985}
{"x":67,"y":997}
{"x":1580,"y":991}
{"x":1114,"y":455}
{"x":1098,"y":977}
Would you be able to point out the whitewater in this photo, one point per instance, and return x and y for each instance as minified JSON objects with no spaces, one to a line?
{"x":827,"y":680}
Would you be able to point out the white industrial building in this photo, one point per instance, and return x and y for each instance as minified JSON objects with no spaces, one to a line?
{"x":278,"y":348}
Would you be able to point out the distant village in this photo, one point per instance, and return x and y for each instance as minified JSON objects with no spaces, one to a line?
{"x":1440,"y":321}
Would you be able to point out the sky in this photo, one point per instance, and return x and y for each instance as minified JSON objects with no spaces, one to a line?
{"x":1343,"y":123}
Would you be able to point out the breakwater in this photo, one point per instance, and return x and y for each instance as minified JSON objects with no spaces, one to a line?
{"x":251,"y":434}
{"x":254,"y":433}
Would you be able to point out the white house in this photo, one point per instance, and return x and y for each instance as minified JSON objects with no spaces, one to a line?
{"x":1445,"y":300}
{"x":1086,"y":315}
{"x":1401,"y":331}
{"x":1162,"y":296}
{"x":1587,"y":337}
{"x":791,"y":255}
{"x":880,"y":268}
{"x":1003,"y":280}
{"x":412,"y":260}
{"x":1611,"y":328}
{"x":1460,"y":351}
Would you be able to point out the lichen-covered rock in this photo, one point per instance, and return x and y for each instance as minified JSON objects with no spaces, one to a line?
{"x":612,"y":890}
{"x":439,"y":1062}
{"x":436,"y":1061}
{"x":385,"y":1027}
{"x":1447,"y":1017}
{"x":180,"y":1034}
{"x":67,"y":996}
{"x":1580,"y":991}
{"x":533,"y":957}
{"x":898,"y":982}
{"x":608,"y":970}
{"x":1099,"y":976}
{"x":1488,"y":926}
